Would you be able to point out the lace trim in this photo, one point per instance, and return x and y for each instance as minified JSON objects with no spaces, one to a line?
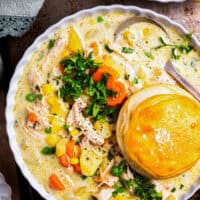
{"x":15,"y":25}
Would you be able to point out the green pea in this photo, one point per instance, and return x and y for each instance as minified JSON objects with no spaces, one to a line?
{"x":48,"y":130}
{"x":115,"y":171}
{"x":30,"y":97}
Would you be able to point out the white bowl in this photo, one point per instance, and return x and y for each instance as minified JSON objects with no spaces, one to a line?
{"x":27,"y":55}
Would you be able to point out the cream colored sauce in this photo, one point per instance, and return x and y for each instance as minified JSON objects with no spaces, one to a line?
{"x":148,"y":71}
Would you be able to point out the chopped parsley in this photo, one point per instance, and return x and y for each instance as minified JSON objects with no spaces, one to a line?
{"x":78,"y":80}
{"x":83,"y":177}
{"x":66,"y":127}
{"x":135,"y":80}
{"x":99,"y":93}
{"x":181,"y":186}
{"x":149,"y":55}
{"x":51,"y":43}
{"x":118,"y":170}
{"x":77,"y":75}
{"x":127,"y":50}
{"x":127,"y":76}
{"x":108,"y":49}
{"x":144,"y":189}
{"x":118,"y":189}
{"x":173,"y":189}
{"x":100,"y":19}
{"x":140,"y":186}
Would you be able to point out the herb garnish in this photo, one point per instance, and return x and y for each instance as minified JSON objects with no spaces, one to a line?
{"x":77,"y":80}
{"x":118,"y":170}
{"x":98,"y":92}
{"x":173,"y":189}
{"x":51,"y":43}
{"x":135,"y":80}
{"x":140,"y":186}
{"x":77,"y":70}
{"x":181,"y":186}
{"x":127,"y":76}
{"x":178,"y":49}
{"x":108,"y":49}
{"x":149,"y":55}
{"x":127,"y":50}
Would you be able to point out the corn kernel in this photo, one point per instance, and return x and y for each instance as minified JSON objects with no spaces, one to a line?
{"x":74,"y":132}
{"x":61,"y":147}
{"x":121,"y":197}
{"x":57,"y":125}
{"x":74,"y":161}
{"x":146,"y":32}
{"x":52,"y":140}
{"x":52,"y":100}
{"x":47,"y":89}
{"x":128,"y":36}
{"x":64,"y":53}
{"x":91,"y":22}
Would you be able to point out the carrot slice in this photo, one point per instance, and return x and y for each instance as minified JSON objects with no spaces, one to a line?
{"x":72,"y":149}
{"x":62,"y":69}
{"x":63,"y":160}
{"x":94,"y":46}
{"x":103,"y":69}
{"x":55,"y":183}
{"x":32,"y":117}
{"x":77,"y":168}
{"x":121,"y":94}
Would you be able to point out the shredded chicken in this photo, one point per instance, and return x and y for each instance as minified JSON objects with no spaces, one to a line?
{"x":105,"y":178}
{"x":105,"y":194}
{"x":35,"y":78}
{"x":41,"y":111}
{"x":76,"y":119}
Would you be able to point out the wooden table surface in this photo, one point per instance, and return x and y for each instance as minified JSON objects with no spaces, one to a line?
{"x":12,"y":49}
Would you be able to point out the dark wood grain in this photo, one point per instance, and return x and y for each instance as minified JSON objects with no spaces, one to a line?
{"x":187,"y":13}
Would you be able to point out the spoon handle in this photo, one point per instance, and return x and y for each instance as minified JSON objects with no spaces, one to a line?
{"x":169,"y":68}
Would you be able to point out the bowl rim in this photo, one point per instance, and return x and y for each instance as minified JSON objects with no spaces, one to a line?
{"x":168,"y":1}
{"x":10,"y":99}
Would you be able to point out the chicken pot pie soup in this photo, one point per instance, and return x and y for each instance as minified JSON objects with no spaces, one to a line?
{"x":70,"y":132}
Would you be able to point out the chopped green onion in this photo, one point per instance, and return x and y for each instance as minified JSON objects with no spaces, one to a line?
{"x":127,"y":50}
{"x":30,"y":97}
{"x":100,"y":19}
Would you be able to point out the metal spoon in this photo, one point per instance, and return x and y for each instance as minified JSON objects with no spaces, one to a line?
{"x":134,"y":20}
{"x":169,"y":68}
